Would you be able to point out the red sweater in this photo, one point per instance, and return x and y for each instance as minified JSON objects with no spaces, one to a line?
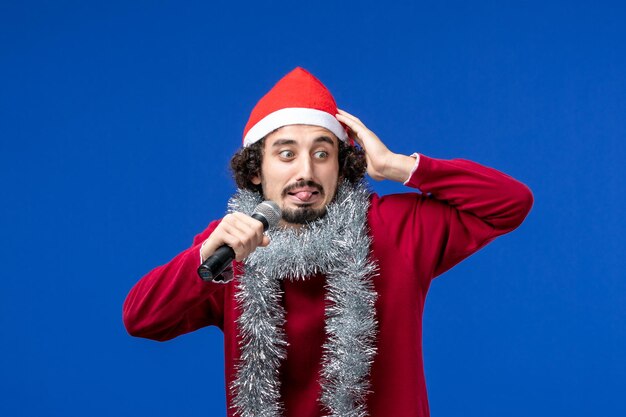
{"x":463,"y":206}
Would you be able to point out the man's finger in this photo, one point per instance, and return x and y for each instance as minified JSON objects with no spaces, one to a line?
{"x":250,"y":234}
{"x":349,"y":116}
{"x":246,"y":225}
{"x":349,"y":120}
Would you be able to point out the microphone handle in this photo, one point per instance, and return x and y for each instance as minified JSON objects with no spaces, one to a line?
{"x":215,"y":264}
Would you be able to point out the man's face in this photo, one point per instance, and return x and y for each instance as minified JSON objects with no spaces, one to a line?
{"x":300,"y":171}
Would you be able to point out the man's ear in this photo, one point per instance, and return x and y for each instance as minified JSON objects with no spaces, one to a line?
{"x":256,"y":180}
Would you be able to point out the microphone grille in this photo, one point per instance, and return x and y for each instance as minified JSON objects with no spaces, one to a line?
{"x":270,"y":211}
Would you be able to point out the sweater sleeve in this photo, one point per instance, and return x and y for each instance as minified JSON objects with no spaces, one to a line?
{"x":463,"y":206}
{"x":172,"y":300}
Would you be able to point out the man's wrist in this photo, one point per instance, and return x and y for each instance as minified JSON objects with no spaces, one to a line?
{"x":202,"y":258}
{"x":415,"y":165}
{"x":401,"y":167}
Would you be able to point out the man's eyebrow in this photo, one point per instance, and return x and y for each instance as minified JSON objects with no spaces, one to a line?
{"x":327,"y":139}
{"x":281,"y":142}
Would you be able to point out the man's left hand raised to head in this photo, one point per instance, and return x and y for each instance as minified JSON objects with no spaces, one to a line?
{"x":382,"y":164}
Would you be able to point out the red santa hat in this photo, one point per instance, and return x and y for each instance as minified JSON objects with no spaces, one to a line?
{"x":298,"y":98}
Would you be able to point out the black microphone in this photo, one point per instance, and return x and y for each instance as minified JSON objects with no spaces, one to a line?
{"x":267,"y":213}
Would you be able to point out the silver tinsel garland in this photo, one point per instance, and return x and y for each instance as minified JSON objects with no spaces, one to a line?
{"x":337,"y":246}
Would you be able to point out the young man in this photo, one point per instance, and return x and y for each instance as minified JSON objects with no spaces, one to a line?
{"x":322,"y":315}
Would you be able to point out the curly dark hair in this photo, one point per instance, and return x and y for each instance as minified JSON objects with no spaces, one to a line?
{"x":246,"y":164}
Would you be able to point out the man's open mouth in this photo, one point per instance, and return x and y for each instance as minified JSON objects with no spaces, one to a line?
{"x":303,"y":195}
{"x":304,"y":191}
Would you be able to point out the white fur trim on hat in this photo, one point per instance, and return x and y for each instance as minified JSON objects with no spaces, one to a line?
{"x":294,"y":116}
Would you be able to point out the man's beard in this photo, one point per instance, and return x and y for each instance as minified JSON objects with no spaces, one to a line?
{"x":303,"y":214}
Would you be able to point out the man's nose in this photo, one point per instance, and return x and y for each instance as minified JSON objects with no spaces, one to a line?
{"x":305,"y":168}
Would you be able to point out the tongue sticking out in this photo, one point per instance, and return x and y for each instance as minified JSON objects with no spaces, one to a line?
{"x":303,"y":195}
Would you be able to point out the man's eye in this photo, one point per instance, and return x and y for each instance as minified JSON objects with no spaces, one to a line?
{"x":321,"y":154}
{"x":286,"y":154}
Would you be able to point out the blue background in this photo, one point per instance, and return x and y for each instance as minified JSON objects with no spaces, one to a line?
{"x":117,"y":122}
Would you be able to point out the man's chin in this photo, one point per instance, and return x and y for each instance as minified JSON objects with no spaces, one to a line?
{"x":303,"y":215}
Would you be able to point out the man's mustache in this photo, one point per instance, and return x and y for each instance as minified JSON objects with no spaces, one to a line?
{"x":302,"y":184}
